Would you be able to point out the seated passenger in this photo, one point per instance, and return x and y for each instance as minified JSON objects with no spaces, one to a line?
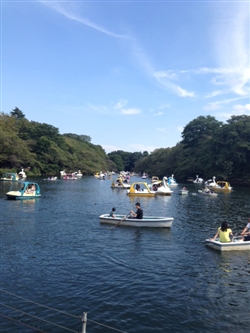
{"x":137,"y":187}
{"x":224,"y":232}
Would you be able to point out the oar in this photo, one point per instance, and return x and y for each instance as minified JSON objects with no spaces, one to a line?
{"x":122,"y":219}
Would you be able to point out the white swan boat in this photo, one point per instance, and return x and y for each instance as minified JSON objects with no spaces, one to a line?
{"x":198,"y":180}
{"x":78,"y":174}
{"x":147,"y":221}
{"x":236,"y":245}
{"x":22,"y":174}
{"x":220,"y":185}
{"x":161,"y":187}
{"x":172,"y":181}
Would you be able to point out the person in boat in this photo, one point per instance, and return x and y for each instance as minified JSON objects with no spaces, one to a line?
{"x":154,"y":187}
{"x":224,"y":232}
{"x":137,"y":187}
{"x":245,"y":233}
{"x":138,"y":214}
{"x":112,"y":213}
{"x":184,"y":188}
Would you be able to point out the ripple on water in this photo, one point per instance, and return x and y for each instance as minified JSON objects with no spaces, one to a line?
{"x":54,"y":251}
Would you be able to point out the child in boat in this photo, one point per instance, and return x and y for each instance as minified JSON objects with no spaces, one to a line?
{"x":112,"y":213}
{"x":224,"y":232}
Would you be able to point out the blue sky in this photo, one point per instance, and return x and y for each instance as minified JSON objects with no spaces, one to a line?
{"x":130,"y":74}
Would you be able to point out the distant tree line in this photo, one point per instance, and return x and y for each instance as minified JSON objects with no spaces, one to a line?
{"x":40,"y":148}
{"x":208,"y":148}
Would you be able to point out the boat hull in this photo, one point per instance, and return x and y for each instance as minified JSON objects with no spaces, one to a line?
{"x":16,"y":195}
{"x":200,"y":192}
{"x":146,"y":222}
{"x":236,"y":245}
{"x":183,"y":192}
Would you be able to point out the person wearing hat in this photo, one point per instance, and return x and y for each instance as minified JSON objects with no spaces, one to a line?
{"x":112,"y":213}
{"x":139,"y":213}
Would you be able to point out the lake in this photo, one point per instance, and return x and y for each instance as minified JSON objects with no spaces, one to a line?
{"x":54,"y":252}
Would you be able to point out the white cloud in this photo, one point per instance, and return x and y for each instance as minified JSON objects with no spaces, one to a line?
{"x":180,"y":129}
{"x":141,"y":147}
{"x":158,"y":114}
{"x":69,"y":10}
{"x":110,"y":148}
{"x":120,"y":104}
{"x":164,"y":130}
{"x":164,"y":78}
{"x":242,"y":108}
{"x":130,"y":111}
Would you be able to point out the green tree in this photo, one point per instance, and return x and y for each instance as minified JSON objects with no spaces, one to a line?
{"x":17,"y":113}
{"x":199,"y":129}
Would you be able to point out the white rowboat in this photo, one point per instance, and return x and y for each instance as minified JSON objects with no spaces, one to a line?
{"x":236,"y":245}
{"x":147,"y":221}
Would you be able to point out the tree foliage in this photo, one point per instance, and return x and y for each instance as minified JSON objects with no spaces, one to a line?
{"x":42,"y":149}
{"x":208,"y":148}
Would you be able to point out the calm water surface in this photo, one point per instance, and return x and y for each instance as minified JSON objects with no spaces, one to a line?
{"x":55,"y":252}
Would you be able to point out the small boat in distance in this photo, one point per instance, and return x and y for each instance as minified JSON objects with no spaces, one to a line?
{"x":51,"y":178}
{"x":161,"y":187}
{"x":24,"y":190}
{"x":155,"y":179}
{"x":70,"y":176}
{"x":22,"y":174}
{"x":147,"y":221}
{"x":207,"y":193}
{"x":140,"y":189}
{"x":198,"y":180}
{"x":172,"y":181}
{"x":78,"y":174}
{"x":10,"y":176}
{"x":220,"y":185}
{"x":183,"y":191}
{"x":120,"y":184}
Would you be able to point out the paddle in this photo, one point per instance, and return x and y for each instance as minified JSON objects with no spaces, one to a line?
{"x":122,"y":219}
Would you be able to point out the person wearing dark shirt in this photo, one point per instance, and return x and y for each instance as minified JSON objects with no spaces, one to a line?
{"x":139,"y":213}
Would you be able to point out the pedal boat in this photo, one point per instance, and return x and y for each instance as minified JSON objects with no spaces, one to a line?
{"x":147,"y":221}
{"x":172,"y":181}
{"x":10,"y":176}
{"x":24,"y":190}
{"x":120,"y":184}
{"x":236,"y":245}
{"x":219,"y":185}
{"x":209,"y":194}
{"x":140,"y":189}
{"x":161,"y":187}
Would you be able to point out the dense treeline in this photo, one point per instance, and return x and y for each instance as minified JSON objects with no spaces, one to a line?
{"x":208,"y":148}
{"x":125,"y":160}
{"x":40,"y":148}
